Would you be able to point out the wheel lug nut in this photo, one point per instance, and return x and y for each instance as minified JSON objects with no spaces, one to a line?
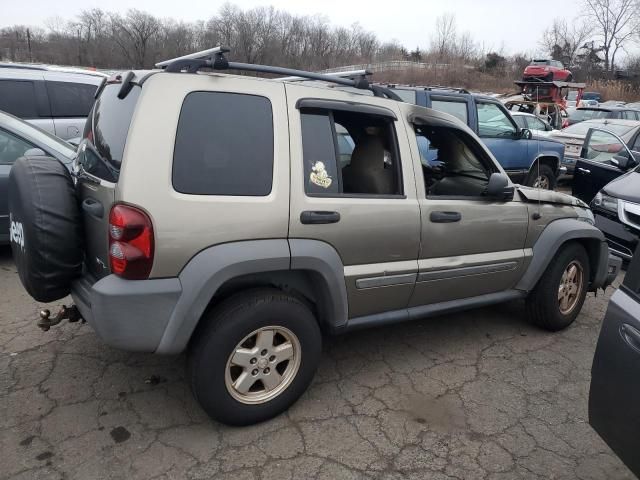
{"x":254,"y":372}
{"x":253,"y":360}
{"x":264,"y":352}
{"x":266,"y":370}
{"x":272,"y":358}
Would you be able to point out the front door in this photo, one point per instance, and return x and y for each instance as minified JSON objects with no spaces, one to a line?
{"x":615,"y":388}
{"x":352,"y":187}
{"x":470,"y":245}
{"x":597,"y":164}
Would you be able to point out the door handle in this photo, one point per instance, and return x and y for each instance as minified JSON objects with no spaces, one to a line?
{"x":631,"y":336}
{"x":93,"y":207}
{"x":445,"y":217}
{"x":319,"y":217}
{"x":584,"y":170}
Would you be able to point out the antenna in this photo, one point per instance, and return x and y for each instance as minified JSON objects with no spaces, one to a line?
{"x":537,"y":215}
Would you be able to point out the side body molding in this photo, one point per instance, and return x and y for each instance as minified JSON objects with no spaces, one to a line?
{"x":210,"y":269}
{"x":554,"y":235}
{"x":322,"y":260}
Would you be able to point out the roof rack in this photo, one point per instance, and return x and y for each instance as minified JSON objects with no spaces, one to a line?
{"x":444,"y":87}
{"x":352,"y":74}
{"x":214,"y":59}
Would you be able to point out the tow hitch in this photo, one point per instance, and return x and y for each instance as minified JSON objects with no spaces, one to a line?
{"x":46,"y":322}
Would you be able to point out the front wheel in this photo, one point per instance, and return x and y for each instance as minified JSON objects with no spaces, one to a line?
{"x":558,"y":297}
{"x":542,"y":177}
{"x":255,"y":355}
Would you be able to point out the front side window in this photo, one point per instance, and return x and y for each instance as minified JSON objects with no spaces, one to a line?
{"x":457,"y":109}
{"x":349,"y":153}
{"x":69,"y":99}
{"x":520,"y":121}
{"x":537,"y":124}
{"x":18,"y":98}
{"x":452,"y":163}
{"x":493,"y":121}
{"x":603,"y":146}
{"x":12,"y":148}
{"x":224,"y":145}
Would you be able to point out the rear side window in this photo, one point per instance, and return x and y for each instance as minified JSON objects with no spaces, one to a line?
{"x":69,"y":99}
{"x":18,"y":98}
{"x":224,"y":145}
{"x":106,"y":132}
{"x":457,"y":109}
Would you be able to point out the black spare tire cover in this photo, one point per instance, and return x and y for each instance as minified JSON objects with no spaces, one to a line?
{"x":45,"y":227}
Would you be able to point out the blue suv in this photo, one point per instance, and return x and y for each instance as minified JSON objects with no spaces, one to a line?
{"x":534,"y":162}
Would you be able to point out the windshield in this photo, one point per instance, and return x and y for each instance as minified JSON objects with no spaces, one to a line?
{"x":540,"y":62}
{"x":581,"y":115}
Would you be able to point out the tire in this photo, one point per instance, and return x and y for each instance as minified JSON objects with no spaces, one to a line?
{"x":46,"y":227}
{"x":213,"y":376}
{"x":542,"y":177}
{"x":569,"y":78}
{"x":549,"y":77}
{"x":544,"y":308}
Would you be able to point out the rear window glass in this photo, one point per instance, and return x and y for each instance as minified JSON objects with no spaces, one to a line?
{"x":408,"y":96}
{"x":69,"y":99}
{"x":106,"y":129}
{"x":224,"y":145}
{"x":18,"y":98}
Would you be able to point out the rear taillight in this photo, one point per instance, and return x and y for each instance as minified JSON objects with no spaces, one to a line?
{"x":130,"y":242}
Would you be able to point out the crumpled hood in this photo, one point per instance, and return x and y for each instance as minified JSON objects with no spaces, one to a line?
{"x":535,"y":195}
{"x":626,"y":187}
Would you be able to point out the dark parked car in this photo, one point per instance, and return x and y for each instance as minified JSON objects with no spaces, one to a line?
{"x":16,"y":138}
{"x":591,"y":113}
{"x":608,"y":176}
{"x":615,"y":387}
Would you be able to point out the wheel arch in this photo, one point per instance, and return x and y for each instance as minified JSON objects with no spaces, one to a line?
{"x":555,"y":236}
{"x":546,"y":158}
{"x":310,"y":270}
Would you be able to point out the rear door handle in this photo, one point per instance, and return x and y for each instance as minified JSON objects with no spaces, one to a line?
{"x":93,"y":207}
{"x":584,"y":170}
{"x":319,"y":217}
{"x":631,"y":335}
{"x":445,"y":217}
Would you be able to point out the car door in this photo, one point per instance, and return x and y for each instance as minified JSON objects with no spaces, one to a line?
{"x":12,"y":147}
{"x":352,"y":188}
{"x":470,"y":245}
{"x":614,"y":395}
{"x":596,"y":166}
{"x":502,"y":136}
{"x":70,"y":106}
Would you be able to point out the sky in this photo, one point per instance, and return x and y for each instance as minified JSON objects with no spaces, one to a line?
{"x":495,"y":24}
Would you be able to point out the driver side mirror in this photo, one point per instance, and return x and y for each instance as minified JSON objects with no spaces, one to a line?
{"x":623,"y":162}
{"x":499,"y":188}
{"x":526,"y":134}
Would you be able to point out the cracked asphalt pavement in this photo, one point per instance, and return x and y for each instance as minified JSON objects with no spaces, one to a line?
{"x":476,"y":395}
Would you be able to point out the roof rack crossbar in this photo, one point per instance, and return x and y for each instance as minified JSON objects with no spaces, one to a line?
{"x":352,"y":74}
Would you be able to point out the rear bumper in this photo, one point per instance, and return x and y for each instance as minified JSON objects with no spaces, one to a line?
{"x":126,"y":314}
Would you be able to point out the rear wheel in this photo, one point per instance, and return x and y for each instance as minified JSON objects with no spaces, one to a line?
{"x":558,"y":297}
{"x":255,"y":355}
{"x":569,"y":78}
{"x":542,"y":177}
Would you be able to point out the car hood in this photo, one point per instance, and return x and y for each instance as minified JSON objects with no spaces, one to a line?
{"x":625,"y":187}
{"x":535,"y":195}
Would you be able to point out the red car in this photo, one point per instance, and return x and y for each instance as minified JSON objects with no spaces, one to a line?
{"x":547,"y":71}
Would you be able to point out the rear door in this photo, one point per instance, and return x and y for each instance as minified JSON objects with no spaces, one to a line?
{"x":70,"y":105}
{"x":596,"y":167}
{"x":614,"y":396}
{"x":99,"y":157}
{"x":352,"y":187}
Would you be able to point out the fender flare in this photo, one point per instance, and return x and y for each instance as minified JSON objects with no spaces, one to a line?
{"x":207,"y":271}
{"x":552,"y":238}
{"x":543,"y":155}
